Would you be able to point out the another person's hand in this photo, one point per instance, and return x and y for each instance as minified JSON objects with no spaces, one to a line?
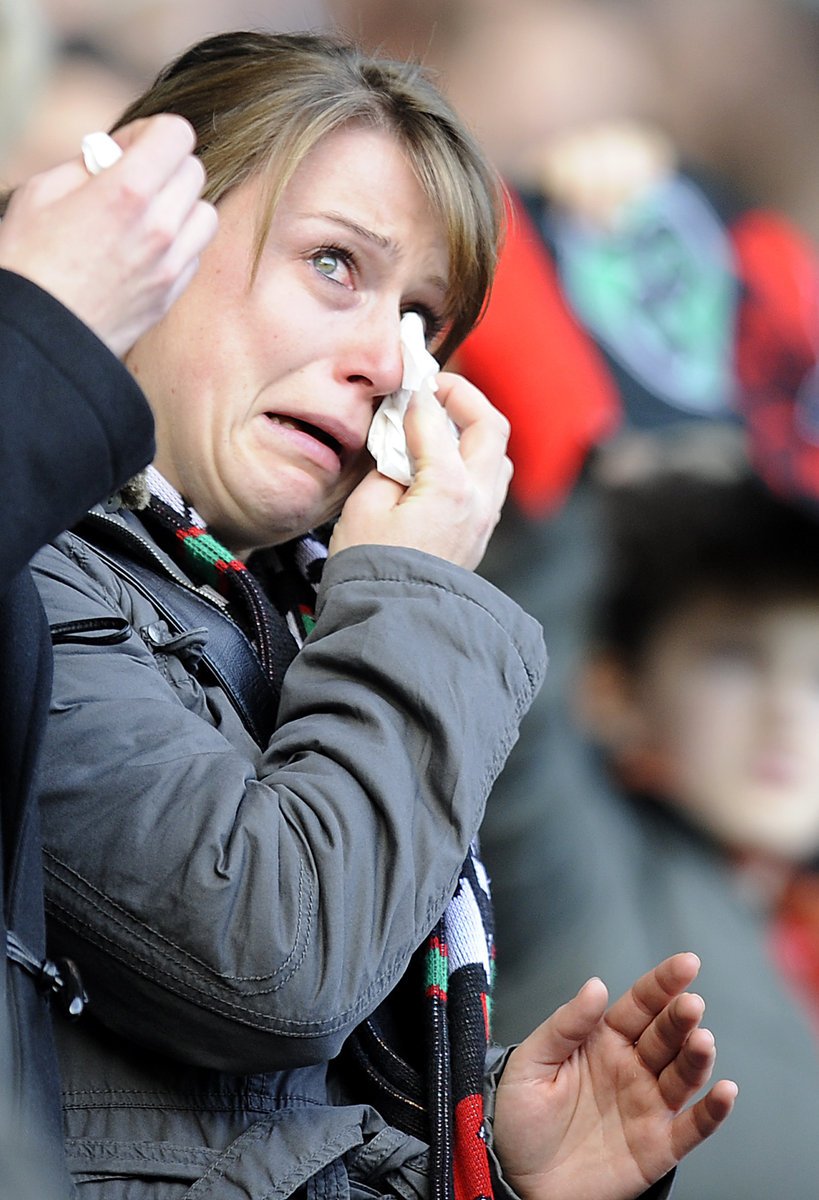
{"x":593,"y":1102}
{"x":454,"y":502}
{"x":119,"y":247}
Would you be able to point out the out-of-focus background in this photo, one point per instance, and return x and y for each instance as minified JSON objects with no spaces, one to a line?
{"x":734,"y":82}
{"x":655,"y":316}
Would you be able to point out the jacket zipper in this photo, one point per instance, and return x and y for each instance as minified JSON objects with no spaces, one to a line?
{"x":130,"y":538}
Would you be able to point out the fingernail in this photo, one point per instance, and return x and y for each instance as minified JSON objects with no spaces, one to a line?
{"x":591,"y":979}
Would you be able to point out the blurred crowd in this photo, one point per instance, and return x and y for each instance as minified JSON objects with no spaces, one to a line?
{"x":653,"y":337}
{"x":732,"y":83}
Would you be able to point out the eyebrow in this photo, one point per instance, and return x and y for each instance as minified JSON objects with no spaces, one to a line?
{"x":369,"y":235}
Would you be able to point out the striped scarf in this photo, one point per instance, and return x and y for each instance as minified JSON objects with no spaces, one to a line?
{"x":443,"y":1102}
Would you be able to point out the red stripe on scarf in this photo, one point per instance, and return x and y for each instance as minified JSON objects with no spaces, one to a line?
{"x":437,"y":943}
{"x":233,"y":564}
{"x":472,"y":1178}
{"x":192,"y":531}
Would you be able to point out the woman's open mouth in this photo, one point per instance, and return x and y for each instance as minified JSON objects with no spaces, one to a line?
{"x":314,"y":431}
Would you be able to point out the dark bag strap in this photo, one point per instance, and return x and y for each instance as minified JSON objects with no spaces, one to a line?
{"x":228,"y":652}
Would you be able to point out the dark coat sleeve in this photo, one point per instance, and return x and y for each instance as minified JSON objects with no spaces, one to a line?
{"x":75,"y":425}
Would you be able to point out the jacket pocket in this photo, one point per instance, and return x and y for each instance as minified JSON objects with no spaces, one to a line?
{"x":129,"y":1187}
{"x":105,"y":1169}
{"x":283,"y":1154}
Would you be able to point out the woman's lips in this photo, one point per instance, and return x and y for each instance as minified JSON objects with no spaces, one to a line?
{"x":310,"y":440}
{"x":321,"y":435}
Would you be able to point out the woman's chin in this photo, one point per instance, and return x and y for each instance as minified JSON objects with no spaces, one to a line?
{"x":273,"y":529}
{"x":266,"y":514}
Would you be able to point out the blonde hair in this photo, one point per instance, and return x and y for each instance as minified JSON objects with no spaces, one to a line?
{"x":260,"y":102}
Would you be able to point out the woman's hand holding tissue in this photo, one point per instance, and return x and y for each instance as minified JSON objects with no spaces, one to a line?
{"x":387,"y":440}
{"x":453,"y":503}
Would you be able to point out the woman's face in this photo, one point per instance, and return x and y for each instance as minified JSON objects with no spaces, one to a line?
{"x":264,"y":392}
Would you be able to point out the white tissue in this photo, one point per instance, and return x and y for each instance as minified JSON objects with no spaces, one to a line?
{"x":386,"y":441}
{"x":99,"y":151}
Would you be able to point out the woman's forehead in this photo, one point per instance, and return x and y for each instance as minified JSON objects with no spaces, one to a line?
{"x":359,"y":177}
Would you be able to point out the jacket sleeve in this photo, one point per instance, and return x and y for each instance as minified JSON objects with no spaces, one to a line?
{"x":247,"y":909}
{"x":75,"y":424}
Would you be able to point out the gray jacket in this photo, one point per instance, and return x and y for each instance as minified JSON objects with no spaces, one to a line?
{"x":236,"y":911}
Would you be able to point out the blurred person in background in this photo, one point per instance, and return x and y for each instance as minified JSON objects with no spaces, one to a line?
{"x":103,"y":54}
{"x":732,"y":83}
{"x":692,"y":817}
{"x":25,"y":61}
{"x":141,"y":35}
{"x":741,"y":94}
{"x":639,"y":297}
{"x":82,"y":91}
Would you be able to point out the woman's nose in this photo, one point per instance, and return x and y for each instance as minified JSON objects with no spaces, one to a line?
{"x":372,"y":355}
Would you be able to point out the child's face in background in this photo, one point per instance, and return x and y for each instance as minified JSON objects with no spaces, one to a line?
{"x":728,"y":705}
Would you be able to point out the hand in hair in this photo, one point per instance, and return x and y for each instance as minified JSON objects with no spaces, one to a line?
{"x":593,"y":1102}
{"x":118,"y":248}
{"x":454,"y":502}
